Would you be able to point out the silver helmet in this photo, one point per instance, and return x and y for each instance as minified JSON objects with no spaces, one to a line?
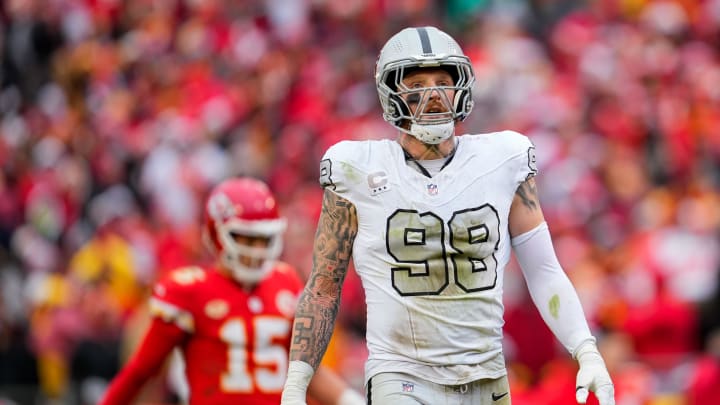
{"x":423,"y":47}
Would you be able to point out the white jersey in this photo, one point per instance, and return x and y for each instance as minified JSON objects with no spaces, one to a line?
{"x":431,"y":251}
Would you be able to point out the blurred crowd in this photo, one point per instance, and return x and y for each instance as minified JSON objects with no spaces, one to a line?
{"x":116,"y":117}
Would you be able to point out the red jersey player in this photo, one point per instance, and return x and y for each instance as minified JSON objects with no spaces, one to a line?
{"x":232,"y":322}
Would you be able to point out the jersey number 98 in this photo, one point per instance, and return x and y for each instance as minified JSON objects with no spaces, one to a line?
{"x":419,"y":244}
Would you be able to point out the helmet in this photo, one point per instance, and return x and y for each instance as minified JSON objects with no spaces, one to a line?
{"x":244,"y":206}
{"x":423,"y":47}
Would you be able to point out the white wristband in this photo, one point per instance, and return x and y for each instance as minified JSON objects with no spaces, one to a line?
{"x":298,"y":379}
{"x":587,"y":347}
{"x":351,"y":397}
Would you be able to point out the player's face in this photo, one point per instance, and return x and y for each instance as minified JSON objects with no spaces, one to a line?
{"x":431,"y":101}
{"x":253,"y":242}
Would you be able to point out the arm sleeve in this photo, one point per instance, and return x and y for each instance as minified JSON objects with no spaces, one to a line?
{"x":159,"y":340}
{"x":550,"y":289}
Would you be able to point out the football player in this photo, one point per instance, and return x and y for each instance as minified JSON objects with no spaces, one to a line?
{"x":429,"y":220}
{"x":231,"y":321}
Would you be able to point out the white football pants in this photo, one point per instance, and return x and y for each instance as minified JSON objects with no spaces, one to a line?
{"x":404,"y":389}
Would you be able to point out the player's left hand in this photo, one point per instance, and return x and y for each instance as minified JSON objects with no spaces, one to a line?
{"x":593,"y":376}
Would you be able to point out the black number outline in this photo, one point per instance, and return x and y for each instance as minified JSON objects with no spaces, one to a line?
{"x":454,"y":257}
{"x":456,"y":266}
{"x":406,"y":270}
{"x":326,"y":174}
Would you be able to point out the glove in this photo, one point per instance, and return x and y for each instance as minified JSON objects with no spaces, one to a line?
{"x":351,"y":397}
{"x":298,"y":379}
{"x":593,"y":376}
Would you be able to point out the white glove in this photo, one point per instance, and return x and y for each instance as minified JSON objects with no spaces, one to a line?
{"x":298,"y":379}
{"x":351,"y":397}
{"x":593,"y":376}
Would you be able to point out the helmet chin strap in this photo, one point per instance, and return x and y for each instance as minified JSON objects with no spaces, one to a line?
{"x":432,"y":134}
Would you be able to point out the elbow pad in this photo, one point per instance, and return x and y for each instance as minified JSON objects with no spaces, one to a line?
{"x":550,"y":289}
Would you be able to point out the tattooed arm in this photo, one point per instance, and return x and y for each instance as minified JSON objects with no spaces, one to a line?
{"x":319,"y":302}
{"x":318,"y":306}
{"x":525,"y":211}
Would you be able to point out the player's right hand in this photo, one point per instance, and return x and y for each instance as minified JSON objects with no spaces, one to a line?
{"x":593,"y":376}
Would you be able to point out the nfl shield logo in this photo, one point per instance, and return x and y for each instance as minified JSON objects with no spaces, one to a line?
{"x":432,"y":189}
{"x":408,"y":387}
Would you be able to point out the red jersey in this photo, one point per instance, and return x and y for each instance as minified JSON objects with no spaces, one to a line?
{"x":234,"y":341}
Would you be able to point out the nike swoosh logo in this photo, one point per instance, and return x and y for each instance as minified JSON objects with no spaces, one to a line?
{"x":497,"y":397}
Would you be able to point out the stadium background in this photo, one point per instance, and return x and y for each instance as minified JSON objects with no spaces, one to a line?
{"x":117,"y":116}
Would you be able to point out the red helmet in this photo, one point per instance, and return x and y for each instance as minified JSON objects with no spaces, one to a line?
{"x":244,"y":206}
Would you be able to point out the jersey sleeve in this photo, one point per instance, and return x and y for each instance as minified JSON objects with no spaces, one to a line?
{"x":338,"y":168}
{"x":173,"y":297}
{"x":522,"y":154}
{"x":157,"y":343}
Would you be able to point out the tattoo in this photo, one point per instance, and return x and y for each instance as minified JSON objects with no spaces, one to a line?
{"x":319,"y":301}
{"x":527,"y":192}
{"x":431,"y":151}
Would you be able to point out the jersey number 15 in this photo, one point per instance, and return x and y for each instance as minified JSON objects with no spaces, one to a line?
{"x":269,"y":357}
